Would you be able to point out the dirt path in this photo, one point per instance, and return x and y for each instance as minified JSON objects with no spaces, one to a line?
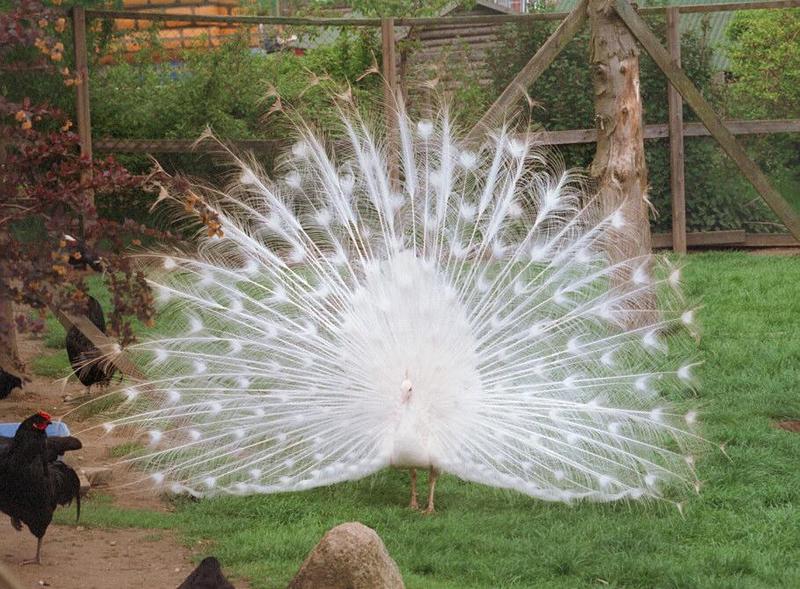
{"x":85,"y":558}
{"x":82,"y":558}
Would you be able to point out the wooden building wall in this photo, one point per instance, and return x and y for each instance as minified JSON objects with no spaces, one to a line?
{"x":447,"y":53}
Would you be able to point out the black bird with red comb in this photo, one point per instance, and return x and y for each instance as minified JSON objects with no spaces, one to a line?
{"x":33,"y":480}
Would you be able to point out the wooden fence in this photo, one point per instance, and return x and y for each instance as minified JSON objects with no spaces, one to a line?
{"x":571,"y":23}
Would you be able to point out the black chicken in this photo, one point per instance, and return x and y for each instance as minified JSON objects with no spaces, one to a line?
{"x":8,"y":382}
{"x":31,"y":484}
{"x":81,"y":256}
{"x":84,"y":357}
{"x":207,"y":575}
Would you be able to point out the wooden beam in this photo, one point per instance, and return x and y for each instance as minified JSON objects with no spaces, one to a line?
{"x":677,"y":180}
{"x":107,"y":346}
{"x":84,"y":124}
{"x":785,"y":212}
{"x":412,"y":21}
{"x":241,"y":20}
{"x":736,"y":6}
{"x":702,"y":238}
{"x":182,"y":145}
{"x":389,"y":70}
{"x":771,"y":240}
{"x":738,"y":127}
{"x":531,"y":71}
{"x":661,"y":130}
{"x":734,"y":238}
{"x":491,"y":19}
{"x":84,"y":119}
{"x":567,"y":137}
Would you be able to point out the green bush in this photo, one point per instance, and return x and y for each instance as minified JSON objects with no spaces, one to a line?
{"x":228,"y":89}
{"x":764,"y":50}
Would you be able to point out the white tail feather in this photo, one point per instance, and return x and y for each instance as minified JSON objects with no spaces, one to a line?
{"x":476,"y":320}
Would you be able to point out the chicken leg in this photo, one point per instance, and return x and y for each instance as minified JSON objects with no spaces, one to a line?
{"x":38,"y":558}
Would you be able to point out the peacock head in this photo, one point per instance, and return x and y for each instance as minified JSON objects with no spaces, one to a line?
{"x":405,"y":390}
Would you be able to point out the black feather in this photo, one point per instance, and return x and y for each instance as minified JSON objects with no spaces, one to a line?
{"x":56,"y":446}
{"x":83,"y":355}
{"x":207,"y":575}
{"x":8,"y":382}
{"x":66,"y":486}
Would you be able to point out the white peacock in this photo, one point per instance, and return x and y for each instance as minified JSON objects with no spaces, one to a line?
{"x":474,"y":317}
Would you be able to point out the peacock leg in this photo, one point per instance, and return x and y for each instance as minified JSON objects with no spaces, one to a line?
{"x":414,"y":504}
{"x":431,"y":487}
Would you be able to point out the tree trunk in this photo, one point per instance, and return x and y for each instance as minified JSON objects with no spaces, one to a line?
{"x":619,"y":168}
{"x":9,"y":354}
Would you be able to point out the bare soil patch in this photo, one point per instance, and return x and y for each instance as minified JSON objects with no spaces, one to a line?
{"x":89,"y":558}
{"x":790,"y":425}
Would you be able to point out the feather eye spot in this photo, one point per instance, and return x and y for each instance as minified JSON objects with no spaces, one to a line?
{"x":425,"y":129}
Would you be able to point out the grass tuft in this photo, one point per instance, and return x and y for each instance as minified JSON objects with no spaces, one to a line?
{"x":54,"y":365}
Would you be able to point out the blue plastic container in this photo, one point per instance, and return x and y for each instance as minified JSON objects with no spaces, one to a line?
{"x":57,"y":428}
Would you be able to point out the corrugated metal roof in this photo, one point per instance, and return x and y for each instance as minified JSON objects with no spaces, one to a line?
{"x":717,"y":24}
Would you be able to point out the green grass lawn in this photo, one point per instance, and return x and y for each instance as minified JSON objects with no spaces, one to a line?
{"x":742,"y":530}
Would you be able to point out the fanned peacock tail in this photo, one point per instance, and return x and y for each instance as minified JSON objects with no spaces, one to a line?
{"x":475,"y":315}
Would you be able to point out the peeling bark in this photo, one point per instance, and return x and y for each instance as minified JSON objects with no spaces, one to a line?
{"x":619,"y":168}
{"x":9,"y":354}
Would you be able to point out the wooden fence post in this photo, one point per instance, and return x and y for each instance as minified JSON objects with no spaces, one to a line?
{"x":389,"y":70}
{"x":676,"y":152}
{"x":84,"y":121}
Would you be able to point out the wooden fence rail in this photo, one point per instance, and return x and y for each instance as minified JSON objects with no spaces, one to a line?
{"x":182,"y":145}
{"x":413,"y":21}
{"x":566,"y":137}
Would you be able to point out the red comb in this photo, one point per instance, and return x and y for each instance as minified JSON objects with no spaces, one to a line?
{"x":44,"y":415}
